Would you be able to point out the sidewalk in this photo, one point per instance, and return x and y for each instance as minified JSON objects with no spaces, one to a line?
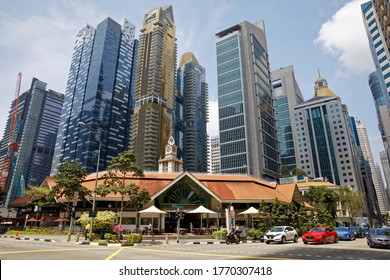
{"x":146,"y":239}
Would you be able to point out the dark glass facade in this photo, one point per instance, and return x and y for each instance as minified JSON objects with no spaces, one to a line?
{"x":98,"y":94}
{"x":194,"y":91}
{"x":36,"y":131}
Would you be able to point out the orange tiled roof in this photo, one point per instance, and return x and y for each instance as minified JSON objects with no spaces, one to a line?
{"x":229,"y":188}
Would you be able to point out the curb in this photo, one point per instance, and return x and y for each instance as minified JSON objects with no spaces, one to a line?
{"x":28,"y":238}
{"x":108,"y":244}
{"x":221,"y":242}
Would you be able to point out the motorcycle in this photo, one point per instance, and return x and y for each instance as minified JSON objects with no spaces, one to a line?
{"x":233,"y":237}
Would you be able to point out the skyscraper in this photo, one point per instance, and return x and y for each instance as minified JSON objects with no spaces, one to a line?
{"x":366,"y":148}
{"x":287,"y":95}
{"x":38,"y":118}
{"x":192,"y":86}
{"x":214,"y":154}
{"x":155,"y":87}
{"x":325,"y":144}
{"x":248,"y":138}
{"x":375,"y":18}
{"x":98,"y":94}
{"x":386,"y":167}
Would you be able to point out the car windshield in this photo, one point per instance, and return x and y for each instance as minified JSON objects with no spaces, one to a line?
{"x":380,"y":231}
{"x":341,"y":229}
{"x":355,"y":228}
{"x":277,"y":229}
{"x":317,"y":230}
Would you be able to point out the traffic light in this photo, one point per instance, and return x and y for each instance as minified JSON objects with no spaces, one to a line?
{"x":181,"y":215}
{"x":177,"y":215}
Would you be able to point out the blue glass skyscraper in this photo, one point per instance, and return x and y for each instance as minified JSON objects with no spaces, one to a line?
{"x":98,"y":93}
{"x":193,"y":88}
{"x":36,"y":130}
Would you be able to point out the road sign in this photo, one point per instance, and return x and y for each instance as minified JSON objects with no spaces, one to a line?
{"x":92,"y":214}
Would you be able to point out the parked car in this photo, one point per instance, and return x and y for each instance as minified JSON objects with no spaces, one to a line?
{"x":358,"y":231}
{"x":365,"y":227}
{"x":378,"y":237}
{"x":320,"y":235}
{"x":345,"y":233}
{"x":281,"y":234}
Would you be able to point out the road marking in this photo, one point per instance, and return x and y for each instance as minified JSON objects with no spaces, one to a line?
{"x":203,"y":254}
{"x":115,"y":253}
{"x":52,"y":250}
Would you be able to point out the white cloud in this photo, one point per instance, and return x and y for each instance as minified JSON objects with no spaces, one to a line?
{"x":344,"y":37}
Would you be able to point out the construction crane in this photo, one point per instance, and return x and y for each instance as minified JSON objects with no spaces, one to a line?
{"x":9,"y":160}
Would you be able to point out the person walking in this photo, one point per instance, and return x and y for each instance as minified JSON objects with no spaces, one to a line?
{"x":86,"y":231}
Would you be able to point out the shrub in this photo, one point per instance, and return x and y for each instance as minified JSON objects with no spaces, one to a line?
{"x":219,"y":234}
{"x":254,"y":234}
{"x":33,"y":231}
{"x":133,"y":238}
{"x":110,"y":237}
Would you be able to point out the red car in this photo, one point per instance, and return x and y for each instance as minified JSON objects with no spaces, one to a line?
{"x":320,"y":235}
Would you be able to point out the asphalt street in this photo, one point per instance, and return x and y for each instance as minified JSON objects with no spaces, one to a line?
{"x":57,"y":248}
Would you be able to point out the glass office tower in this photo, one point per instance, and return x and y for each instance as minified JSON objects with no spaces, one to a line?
{"x":377,"y":25}
{"x":155,"y":87}
{"x":287,"y":95}
{"x":36,"y":130}
{"x":98,"y":93}
{"x":193,"y":88}
{"x":248,"y":138}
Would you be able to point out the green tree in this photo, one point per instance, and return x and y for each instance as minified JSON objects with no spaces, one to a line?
{"x":322,"y":197}
{"x":122,"y":167}
{"x":105,"y":220}
{"x":278,"y":213}
{"x":351,"y":201}
{"x":69,"y":181}
{"x":263,"y":217}
{"x":298,"y":172}
{"x":284,"y":171}
{"x":40,"y":196}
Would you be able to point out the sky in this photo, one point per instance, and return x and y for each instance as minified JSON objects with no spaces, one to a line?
{"x":37,"y":39}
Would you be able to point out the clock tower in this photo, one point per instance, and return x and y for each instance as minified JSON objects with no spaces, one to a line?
{"x":170,"y":163}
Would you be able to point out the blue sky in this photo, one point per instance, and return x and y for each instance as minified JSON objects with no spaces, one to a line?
{"x":37,"y":39}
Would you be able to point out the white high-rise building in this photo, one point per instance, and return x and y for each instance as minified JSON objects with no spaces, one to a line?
{"x":366,"y":149}
{"x":215,"y":158}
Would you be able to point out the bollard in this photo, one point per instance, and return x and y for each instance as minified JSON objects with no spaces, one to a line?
{"x":16,"y":233}
{"x":166,"y":239}
{"x":78,"y":237}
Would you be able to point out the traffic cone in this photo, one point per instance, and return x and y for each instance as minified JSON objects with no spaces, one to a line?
{"x":16,"y":233}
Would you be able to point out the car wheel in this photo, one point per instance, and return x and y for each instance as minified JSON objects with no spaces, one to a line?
{"x":283,"y":240}
{"x":296,"y":239}
{"x":304,"y":242}
{"x":267,"y":242}
{"x":323,"y":240}
{"x":336,"y":239}
{"x":352,"y":237}
{"x":227,"y":241}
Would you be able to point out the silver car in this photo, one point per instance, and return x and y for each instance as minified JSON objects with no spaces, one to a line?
{"x":281,"y":234}
{"x":378,"y":237}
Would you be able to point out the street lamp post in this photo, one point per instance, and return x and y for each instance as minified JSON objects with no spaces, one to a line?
{"x":96,"y":179}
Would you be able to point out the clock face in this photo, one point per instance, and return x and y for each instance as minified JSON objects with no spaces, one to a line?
{"x":174,"y":149}
{"x":169,"y":149}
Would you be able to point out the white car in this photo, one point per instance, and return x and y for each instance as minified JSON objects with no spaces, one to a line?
{"x":281,"y":234}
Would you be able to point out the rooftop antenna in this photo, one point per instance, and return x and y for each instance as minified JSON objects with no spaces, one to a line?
{"x":319,"y":74}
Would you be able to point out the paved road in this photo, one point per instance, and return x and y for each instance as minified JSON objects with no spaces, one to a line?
{"x":11,"y":249}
